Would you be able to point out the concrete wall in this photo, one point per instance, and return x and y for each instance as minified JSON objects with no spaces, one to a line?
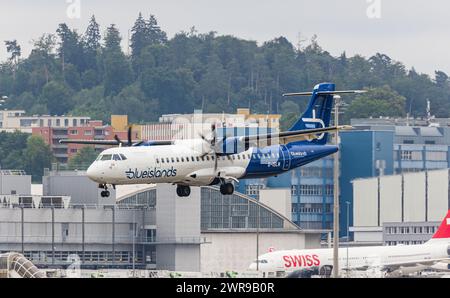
{"x":278,"y":199}
{"x":237,"y":250}
{"x":78,"y":186}
{"x":178,"y":223}
{"x":98,"y":225}
{"x":423,"y":197}
{"x":18,"y":184}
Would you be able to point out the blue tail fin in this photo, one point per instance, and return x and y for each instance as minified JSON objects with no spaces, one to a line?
{"x":318,"y":112}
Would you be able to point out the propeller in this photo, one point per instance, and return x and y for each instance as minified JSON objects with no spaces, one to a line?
{"x":212,"y":146}
{"x":129,"y":142}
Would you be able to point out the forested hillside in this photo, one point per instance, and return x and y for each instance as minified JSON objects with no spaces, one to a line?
{"x":88,"y":73}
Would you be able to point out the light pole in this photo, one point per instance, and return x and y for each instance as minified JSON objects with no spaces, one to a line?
{"x":336,"y":192}
{"x":257,"y":239}
{"x":348,"y":222}
{"x":134,"y":236}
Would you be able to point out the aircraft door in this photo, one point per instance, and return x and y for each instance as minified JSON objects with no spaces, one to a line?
{"x":286,"y":158}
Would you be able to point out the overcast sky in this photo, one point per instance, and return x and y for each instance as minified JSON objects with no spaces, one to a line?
{"x":415,"y":32}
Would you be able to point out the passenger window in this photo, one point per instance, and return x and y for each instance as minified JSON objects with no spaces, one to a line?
{"x":123,"y":157}
{"x":203,"y":158}
{"x":182,"y":159}
{"x":249,"y":156}
{"x":162,"y":160}
{"x":238,"y":157}
{"x":229,"y":157}
{"x":106,"y":157}
{"x":167,"y":159}
{"x":178,"y":160}
{"x":173,"y":160}
{"x":212,"y":157}
{"x":207,"y":157}
{"x":234,"y":157}
{"x":198,"y":158}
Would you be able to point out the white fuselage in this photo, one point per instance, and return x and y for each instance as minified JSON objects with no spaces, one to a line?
{"x":181,"y":163}
{"x":355,"y":257}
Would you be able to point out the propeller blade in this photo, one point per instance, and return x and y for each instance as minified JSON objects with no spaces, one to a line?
{"x":118,"y":140}
{"x":130,"y":143}
{"x":213,"y":131}
{"x":215,"y":162}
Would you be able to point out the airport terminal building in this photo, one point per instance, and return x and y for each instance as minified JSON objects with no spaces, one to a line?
{"x":148,"y":227}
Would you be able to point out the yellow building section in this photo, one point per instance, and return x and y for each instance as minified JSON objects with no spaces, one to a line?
{"x":119,"y":122}
{"x":264,"y":120}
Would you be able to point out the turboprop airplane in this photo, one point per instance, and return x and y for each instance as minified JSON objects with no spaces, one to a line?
{"x":390,"y":260}
{"x":217,"y":160}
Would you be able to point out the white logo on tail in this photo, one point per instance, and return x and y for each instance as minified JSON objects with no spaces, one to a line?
{"x":312,"y":125}
{"x":448,"y":221}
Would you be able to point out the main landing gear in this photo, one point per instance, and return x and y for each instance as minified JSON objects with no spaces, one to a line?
{"x":227,"y":188}
{"x":183,"y":191}
{"x":104,"y":193}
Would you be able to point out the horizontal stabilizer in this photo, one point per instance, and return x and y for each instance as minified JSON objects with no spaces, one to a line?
{"x":326,"y":93}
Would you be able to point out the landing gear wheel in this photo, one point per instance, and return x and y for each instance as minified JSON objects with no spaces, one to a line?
{"x":183,"y":191}
{"x":227,"y":189}
{"x":105,"y":193}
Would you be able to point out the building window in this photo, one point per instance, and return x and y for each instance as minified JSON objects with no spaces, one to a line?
{"x":49,"y":122}
{"x":405,"y":155}
{"x":74,"y":122}
{"x":253,"y":189}
{"x":88,"y":132}
{"x":436,"y":155}
{"x":58,"y":122}
{"x":73,"y":132}
{"x":294,"y":190}
{"x":430,"y":142}
{"x":73,"y":150}
{"x":408,"y":142}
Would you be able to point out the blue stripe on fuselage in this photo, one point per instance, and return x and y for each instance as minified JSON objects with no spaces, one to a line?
{"x":264,"y":164}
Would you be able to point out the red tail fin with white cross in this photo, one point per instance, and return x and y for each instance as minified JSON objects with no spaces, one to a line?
{"x":444,"y":229}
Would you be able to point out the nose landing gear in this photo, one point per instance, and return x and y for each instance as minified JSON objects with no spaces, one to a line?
{"x":104,"y":193}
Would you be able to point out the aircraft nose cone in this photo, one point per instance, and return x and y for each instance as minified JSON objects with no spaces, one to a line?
{"x":92,"y":172}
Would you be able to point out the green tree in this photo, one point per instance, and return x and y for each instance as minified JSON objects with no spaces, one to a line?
{"x":84,"y":157}
{"x":381,"y":101}
{"x":70,"y":48}
{"x":57,"y":97}
{"x":290,"y":112}
{"x":117,"y":69}
{"x":37,"y":156}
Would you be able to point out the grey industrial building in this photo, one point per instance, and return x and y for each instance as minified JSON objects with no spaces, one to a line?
{"x":400,"y":209}
{"x":150,"y":228}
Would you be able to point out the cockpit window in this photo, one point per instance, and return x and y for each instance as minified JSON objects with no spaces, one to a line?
{"x":261,"y":261}
{"x":106,"y":157}
{"x":123,"y":156}
{"x":116,"y":157}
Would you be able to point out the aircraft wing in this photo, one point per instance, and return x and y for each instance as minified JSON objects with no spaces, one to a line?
{"x":114,"y":142}
{"x":90,"y":142}
{"x":286,"y":137}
